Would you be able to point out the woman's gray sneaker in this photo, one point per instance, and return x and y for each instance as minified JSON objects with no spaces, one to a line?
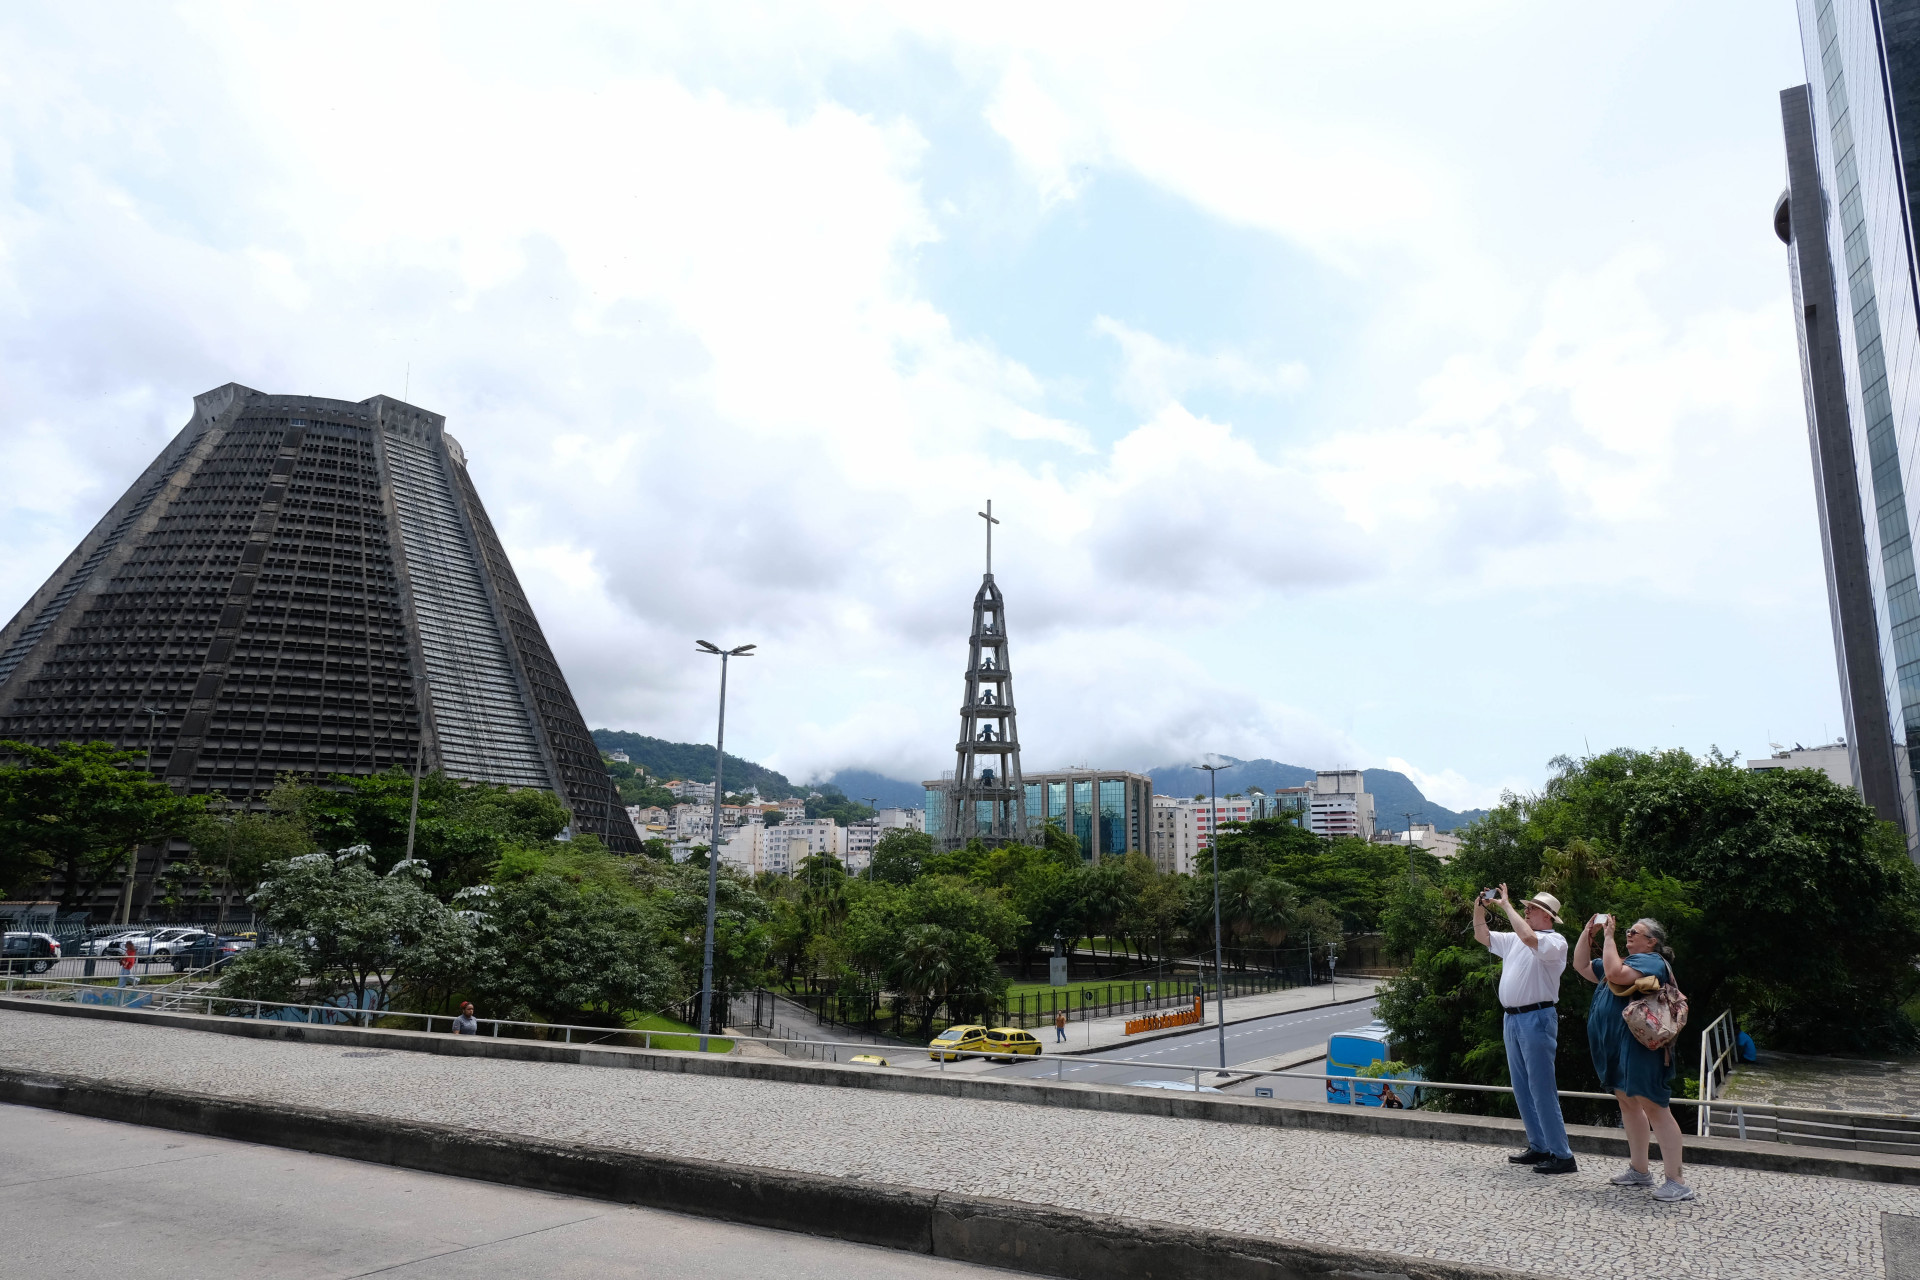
{"x":1631,"y":1177}
{"x":1671,"y":1192}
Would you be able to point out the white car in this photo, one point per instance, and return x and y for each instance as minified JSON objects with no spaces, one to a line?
{"x":116,"y":943}
{"x":165,"y":942}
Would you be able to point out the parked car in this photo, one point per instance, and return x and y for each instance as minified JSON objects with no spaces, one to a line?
{"x":1008,"y":1041}
{"x":208,"y":951}
{"x":116,"y":943}
{"x":965,"y":1037}
{"x":166,"y":942}
{"x":28,"y":952}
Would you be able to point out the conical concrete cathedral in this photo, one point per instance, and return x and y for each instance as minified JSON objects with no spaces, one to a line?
{"x":307,"y":586}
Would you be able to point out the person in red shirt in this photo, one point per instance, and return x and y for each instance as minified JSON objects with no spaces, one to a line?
{"x":128,"y":959}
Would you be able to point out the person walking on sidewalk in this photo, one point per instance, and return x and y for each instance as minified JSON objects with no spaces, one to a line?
{"x":1634,"y":1074}
{"x":127,"y":961}
{"x":1532,"y":958}
{"x":1060,"y":1026}
{"x":466,"y":1024}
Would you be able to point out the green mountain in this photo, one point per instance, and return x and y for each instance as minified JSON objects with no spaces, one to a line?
{"x":666,"y":761}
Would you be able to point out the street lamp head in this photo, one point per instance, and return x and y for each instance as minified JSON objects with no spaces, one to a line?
{"x":710,"y":648}
{"x":718,"y":652}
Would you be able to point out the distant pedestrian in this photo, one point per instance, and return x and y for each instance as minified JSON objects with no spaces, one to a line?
{"x":1635,"y":1075}
{"x":466,"y":1024}
{"x":1532,"y":958}
{"x":128,"y":959}
{"x":1060,"y":1026}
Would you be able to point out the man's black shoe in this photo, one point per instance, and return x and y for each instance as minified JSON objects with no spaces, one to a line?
{"x":1529,"y":1156}
{"x":1557,"y":1164}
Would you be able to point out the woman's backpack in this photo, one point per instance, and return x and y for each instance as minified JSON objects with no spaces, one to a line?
{"x":1656,"y":1018}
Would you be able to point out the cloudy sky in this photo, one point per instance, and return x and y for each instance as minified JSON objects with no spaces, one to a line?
{"x":1410,"y":386}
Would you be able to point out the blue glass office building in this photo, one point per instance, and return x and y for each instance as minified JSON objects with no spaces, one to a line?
{"x":1105,"y":810}
{"x":1853,"y":171}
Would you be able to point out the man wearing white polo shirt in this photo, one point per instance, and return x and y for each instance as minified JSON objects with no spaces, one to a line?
{"x":1532,"y":958}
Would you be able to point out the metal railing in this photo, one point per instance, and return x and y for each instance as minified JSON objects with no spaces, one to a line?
{"x":1717,"y":1048}
{"x":1750,"y":1121}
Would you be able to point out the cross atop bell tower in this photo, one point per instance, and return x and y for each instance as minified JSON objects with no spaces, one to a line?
{"x":987,"y":799}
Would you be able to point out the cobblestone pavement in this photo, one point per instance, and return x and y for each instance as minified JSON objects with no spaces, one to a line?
{"x":1888,"y":1086}
{"x":1430,"y":1199}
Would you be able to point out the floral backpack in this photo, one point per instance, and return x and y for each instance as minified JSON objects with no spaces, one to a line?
{"x":1656,"y":1018}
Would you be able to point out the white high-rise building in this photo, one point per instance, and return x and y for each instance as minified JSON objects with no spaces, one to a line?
{"x":1174,"y":835}
{"x":1340,"y":805}
{"x":695,"y":791}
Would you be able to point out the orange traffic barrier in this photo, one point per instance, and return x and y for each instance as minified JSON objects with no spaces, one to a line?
{"x":1162,"y":1021}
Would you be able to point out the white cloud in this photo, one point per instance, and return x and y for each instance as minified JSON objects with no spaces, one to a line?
{"x":662,"y":270}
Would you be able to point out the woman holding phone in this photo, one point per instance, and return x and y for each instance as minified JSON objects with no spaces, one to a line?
{"x":1636,"y":1075}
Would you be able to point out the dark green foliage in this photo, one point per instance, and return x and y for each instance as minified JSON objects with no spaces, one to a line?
{"x":356,"y":930}
{"x":78,"y":811}
{"x":462,"y":830}
{"x":1351,"y":875}
{"x":554,"y":948}
{"x":272,"y":974}
{"x":900,"y":855}
{"x":1783,"y":897}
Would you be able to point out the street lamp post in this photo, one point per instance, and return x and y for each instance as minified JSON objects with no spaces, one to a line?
{"x":1219,"y":962}
{"x":713,"y":837}
{"x":873,"y":803}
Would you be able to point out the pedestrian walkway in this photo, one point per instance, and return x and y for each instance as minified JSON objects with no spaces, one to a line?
{"x":1442,"y":1200}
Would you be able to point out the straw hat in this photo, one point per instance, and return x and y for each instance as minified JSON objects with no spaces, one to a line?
{"x":1547,"y":903}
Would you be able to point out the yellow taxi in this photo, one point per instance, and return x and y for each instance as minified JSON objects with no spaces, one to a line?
{"x":868,"y":1059}
{"x":1004,"y":1042}
{"x":963,"y":1037}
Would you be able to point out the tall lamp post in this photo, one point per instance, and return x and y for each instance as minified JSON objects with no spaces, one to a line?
{"x":713,"y":837}
{"x":873,"y":803}
{"x":1213,"y":852}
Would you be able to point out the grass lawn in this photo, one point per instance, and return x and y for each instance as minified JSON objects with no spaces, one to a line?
{"x":1132,"y":989}
{"x":690,"y":1043}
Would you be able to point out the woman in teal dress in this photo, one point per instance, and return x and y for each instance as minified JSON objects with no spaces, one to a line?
{"x":1635,"y":1075}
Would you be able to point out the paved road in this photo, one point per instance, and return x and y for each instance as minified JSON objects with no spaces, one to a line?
{"x":1246,"y":1042}
{"x":84,"y":1198}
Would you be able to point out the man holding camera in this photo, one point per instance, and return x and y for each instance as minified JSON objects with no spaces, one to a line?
{"x":1532,"y":958}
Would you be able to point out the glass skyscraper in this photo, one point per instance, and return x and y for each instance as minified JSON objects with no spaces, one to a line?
{"x":1853,"y":171}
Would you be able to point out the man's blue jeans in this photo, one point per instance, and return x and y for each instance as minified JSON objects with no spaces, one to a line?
{"x":1532,"y":1040}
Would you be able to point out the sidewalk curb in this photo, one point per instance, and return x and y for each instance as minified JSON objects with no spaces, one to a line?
{"x":1205,"y":1026}
{"x":1038,"y":1239}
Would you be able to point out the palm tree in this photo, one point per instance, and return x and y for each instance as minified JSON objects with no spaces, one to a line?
{"x":925,"y":968}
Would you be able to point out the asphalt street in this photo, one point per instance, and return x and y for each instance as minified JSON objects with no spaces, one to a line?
{"x":1246,"y":1042}
{"x":82,"y":1198}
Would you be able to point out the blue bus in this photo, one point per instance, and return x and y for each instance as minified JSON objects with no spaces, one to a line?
{"x":1349,"y":1053}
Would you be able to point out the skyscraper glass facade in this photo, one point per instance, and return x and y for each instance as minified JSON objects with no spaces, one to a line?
{"x":1864,"y":99}
{"x":1106,"y":812}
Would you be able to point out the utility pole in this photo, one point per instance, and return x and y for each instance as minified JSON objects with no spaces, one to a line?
{"x":713,"y":840}
{"x":1219,"y":959}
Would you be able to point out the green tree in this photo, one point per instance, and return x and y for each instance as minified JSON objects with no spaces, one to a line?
{"x":558,"y":949}
{"x":234,"y":847}
{"x":356,"y":930}
{"x":77,"y":812}
{"x":1786,"y":901}
{"x":900,"y":855}
{"x":463,"y":827}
